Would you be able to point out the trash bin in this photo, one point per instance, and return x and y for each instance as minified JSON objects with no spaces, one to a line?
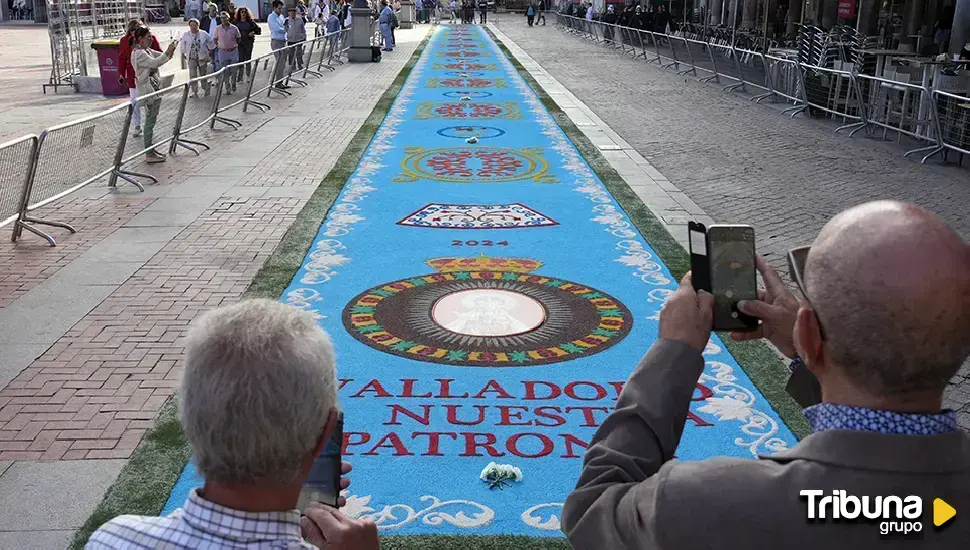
{"x":108,"y":66}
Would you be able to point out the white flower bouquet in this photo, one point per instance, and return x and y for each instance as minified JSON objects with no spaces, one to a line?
{"x":500,"y":475}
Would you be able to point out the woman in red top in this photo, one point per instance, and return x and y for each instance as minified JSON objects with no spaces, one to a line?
{"x":126,"y":72}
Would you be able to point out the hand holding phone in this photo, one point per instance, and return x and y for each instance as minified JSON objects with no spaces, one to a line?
{"x":324,"y":483}
{"x":726,"y":269}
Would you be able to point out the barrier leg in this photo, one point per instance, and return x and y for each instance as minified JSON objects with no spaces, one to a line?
{"x":234,"y":124}
{"x":769,"y":82}
{"x":24,"y":224}
{"x":693,"y":68}
{"x":715,"y":77}
{"x":737,"y":65}
{"x":117,"y":172}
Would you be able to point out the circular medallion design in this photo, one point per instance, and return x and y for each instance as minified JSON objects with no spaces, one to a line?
{"x":487,"y":319}
{"x":476,"y":164}
{"x":470,"y":93}
{"x":465,"y":132}
{"x":466,"y":73}
{"x":488,"y":312}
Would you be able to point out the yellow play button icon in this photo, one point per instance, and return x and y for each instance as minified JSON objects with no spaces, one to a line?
{"x":942,"y":512}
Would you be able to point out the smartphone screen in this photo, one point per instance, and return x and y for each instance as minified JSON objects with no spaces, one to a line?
{"x":731,"y":249}
{"x":323,"y":485}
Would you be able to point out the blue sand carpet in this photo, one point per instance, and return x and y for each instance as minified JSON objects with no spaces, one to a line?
{"x":487,"y":299}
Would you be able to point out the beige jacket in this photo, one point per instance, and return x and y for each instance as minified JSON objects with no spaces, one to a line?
{"x":144,"y":61}
{"x":631,"y":494}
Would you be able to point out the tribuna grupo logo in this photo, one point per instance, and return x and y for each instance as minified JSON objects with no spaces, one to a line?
{"x":895,"y":514}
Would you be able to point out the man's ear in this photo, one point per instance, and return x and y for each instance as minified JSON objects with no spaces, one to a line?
{"x":328,"y":429}
{"x":809,"y":342}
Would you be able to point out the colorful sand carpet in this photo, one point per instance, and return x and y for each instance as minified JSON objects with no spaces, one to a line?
{"x":487,"y":300}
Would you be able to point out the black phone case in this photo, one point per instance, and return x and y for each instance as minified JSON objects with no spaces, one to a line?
{"x":700,"y":266}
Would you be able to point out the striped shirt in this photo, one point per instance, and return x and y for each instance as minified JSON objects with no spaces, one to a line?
{"x":205,"y":525}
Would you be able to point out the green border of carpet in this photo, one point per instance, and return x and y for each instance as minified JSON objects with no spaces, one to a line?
{"x":144,"y":484}
{"x":758,"y":360}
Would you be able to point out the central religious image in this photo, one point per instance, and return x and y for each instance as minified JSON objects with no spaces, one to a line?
{"x":487,"y":312}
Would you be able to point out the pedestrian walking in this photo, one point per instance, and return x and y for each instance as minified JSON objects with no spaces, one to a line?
{"x":452,"y":11}
{"x":126,"y":47}
{"x":295,"y":36}
{"x":145,"y":61}
{"x":530,"y":14}
{"x":322,"y":16}
{"x":227,"y":39}
{"x":249,"y":30}
{"x":385,"y":23}
{"x":193,"y":9}
{"x":541,"y":16}
{"x":210,"y":20}
{"x":196,"y":47}
{"x":482,"y":12}
{"x":277,"y":41}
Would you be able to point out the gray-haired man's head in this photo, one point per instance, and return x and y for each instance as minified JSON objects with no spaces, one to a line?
{"x":257,"y":392}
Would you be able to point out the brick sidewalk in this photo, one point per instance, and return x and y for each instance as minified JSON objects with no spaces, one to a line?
{"x":95,"y":391}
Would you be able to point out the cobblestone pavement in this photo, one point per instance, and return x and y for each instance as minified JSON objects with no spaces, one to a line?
{"x":91,"y":339}
{"x":743,"y":162}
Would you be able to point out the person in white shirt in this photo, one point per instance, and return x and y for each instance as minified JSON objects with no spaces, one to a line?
{"x":146,"y":61}
{"x":193,"y":9}
{"x":196,"y":47}
{"x":321,"y":14}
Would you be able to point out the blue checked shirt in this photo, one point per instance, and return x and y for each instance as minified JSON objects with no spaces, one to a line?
{"x":203,"y":524}
{"x":828,"y":416}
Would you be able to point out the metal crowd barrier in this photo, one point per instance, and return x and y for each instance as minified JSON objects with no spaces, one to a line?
{"x":895,"y":106}
{"x":941,"y":119}
{"x":38,"y":170}
{"x":835,"y":92}
{"x":17,"y":160}
{"x":69,"y":157}
{"x":953,"y":122}
{"x":199,"y":108}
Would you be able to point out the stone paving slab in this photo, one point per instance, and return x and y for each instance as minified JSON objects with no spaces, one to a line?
{"x":738,"y":161}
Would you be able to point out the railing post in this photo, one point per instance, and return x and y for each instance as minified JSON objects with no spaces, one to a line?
{"x":223,"y":82}
{"x":715,"y":77}
{"x":120,"y":151}
{"x":178,"y":125}
{"x":769,"y":81}
{"x":18,"y":225}
{"x":737,"y":65}
{"x":673,"y":51}
{"x":690,"y":54}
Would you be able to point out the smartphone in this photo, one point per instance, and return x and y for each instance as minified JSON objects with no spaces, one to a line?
{"x":323,"y":485}
{"x":732,"y":275}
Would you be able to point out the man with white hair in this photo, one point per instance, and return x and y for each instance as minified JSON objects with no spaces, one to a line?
{"x":258,"y":403}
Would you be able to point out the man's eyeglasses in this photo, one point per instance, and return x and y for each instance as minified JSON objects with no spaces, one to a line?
{"x":797,"y":258}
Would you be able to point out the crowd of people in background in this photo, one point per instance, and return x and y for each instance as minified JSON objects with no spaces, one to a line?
{"x":632,"y":15}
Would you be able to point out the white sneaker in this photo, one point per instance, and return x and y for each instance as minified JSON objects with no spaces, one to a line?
{"x":137,"y":131}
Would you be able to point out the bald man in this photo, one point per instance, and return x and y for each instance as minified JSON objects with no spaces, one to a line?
{"x":884,"y":325}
